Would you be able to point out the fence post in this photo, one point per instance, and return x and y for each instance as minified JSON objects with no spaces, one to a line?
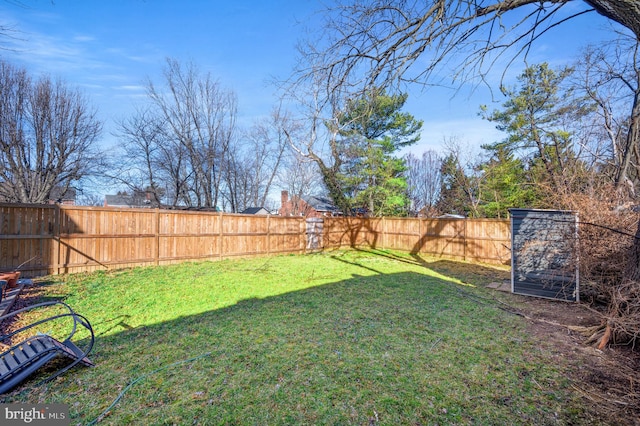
{"x":56,"y":239}
{"x":303,"y":225}
{"x":220,"y":237}
{"x":464,"y":240}
{"x":157,"y":236}
{"x":384,"y":234}
{"x":419,"y":236}
{"x":268,"y":234}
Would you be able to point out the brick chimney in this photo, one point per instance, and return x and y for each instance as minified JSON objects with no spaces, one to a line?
{"x":284,"y":201}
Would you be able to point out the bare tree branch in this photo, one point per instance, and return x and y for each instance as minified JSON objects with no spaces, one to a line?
{"x":382,"y":43}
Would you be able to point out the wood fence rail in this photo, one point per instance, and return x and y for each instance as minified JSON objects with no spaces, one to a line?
{"x":54,"y":239}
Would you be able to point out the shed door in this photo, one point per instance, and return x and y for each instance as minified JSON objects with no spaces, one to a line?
{"x":544,"y":255}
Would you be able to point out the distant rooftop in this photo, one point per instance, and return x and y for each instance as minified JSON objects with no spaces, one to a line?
{"x":255,"y":210}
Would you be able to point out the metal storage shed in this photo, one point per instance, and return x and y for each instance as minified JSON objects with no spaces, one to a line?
{"x":544,"y":253}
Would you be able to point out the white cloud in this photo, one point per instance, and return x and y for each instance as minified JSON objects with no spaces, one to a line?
{"x":131,"y":88}
{"x":45,"y":53}
{"x":83,"y":38}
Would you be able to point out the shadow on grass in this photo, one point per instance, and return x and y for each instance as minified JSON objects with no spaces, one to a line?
{"x":401,"y":348}
{"x":472,"y":273}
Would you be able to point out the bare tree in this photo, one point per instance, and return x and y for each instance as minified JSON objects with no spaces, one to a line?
{"x":200,"y":115}
{"x":615,"y":80}
{"x":461,"y":179}
{"x":142,"y":167}
{"x":252,"y":165}
{"x":179,"y":142}
{"x":314,"y":134}
{"x":47,"y":136}
{"x":424,"y":180}
{"x":300,"y":178}
{"x":609,"y":77}
{"x":185,"y":146}
{"x":602,"y":136}
{"x":90,"y":199}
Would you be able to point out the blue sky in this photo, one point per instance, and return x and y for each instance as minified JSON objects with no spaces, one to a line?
{"x":109,"y":47}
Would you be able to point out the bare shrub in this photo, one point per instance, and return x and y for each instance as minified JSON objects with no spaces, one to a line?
{"x":608,"y":225}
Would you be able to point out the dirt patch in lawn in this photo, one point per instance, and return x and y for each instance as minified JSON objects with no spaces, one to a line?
{"x":608,"y":381}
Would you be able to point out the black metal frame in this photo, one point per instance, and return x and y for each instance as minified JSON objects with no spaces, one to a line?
{"x":17,"y":374}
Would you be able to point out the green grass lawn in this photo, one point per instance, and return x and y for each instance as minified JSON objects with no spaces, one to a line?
{"x":346,"y":337}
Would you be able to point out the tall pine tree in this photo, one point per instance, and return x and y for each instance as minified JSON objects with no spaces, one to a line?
{"x":372,"y":131}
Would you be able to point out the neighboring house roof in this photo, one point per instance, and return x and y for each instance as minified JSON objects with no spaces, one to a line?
{"x":255,"y":210}
{"x":451,"y":216}
{"x":215,"y":209}
{"x":56,"y":194}
{"x":309,"y":206}
{"x":321,"y":204}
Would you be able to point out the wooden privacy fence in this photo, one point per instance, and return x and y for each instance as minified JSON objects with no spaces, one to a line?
{"x":479,"y":240}
{"x":53,"y":239}
{"x":66,"y":239}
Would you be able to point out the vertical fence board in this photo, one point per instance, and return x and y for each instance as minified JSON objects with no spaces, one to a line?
{"x":25,"y":238}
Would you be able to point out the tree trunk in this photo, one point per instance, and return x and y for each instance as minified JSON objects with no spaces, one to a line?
{"x":632,"y":268}
{"x":624,"y":12}
{"x":336,"y":192}
{"x":632,"y":139}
